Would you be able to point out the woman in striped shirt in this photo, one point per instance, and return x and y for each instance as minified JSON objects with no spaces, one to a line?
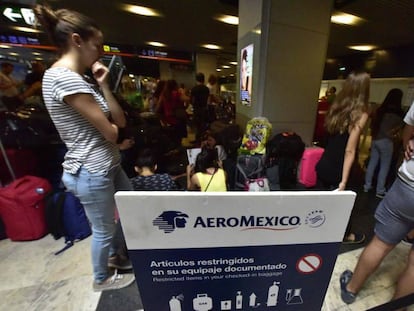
{"x":87,"y":120}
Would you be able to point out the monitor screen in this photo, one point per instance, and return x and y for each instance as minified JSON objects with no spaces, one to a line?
{"x":246,"y":70}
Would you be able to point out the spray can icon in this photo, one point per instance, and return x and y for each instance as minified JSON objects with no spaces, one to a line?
{"x":272,"y":294}
{"x":175,"y":304}
{"x":239,"y":301}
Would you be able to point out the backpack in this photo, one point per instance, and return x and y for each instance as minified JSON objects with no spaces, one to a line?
{"x":250,"y":173}
{"x":258,"y":131}
{"x":65,"y":217}
{"x":284,"y":150}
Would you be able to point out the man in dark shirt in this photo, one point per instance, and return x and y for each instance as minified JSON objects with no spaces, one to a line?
{"x":199,"y":98}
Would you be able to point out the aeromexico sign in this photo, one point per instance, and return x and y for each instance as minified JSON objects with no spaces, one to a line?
{"x":168,"y":221}
{"x":233,"y":251}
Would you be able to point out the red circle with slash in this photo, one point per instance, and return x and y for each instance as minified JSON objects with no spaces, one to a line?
{"x":309,"y":263}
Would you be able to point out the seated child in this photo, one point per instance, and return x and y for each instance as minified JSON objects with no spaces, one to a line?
{"x":206,"y":174}
{"x":147,"y":179}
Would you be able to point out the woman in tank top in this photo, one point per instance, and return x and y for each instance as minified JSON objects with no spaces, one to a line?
{"x":344,"y":122}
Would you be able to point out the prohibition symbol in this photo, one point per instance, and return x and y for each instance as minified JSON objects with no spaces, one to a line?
{"x":309,"y":263}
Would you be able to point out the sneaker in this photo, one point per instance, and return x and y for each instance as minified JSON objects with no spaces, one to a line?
{"x":119,"y":262}
{"x":380,"y":195}
{"x":358,"y":238}
{"x":116,"y":281}
{"x":346,"y":295}
{"x":408,"y":241}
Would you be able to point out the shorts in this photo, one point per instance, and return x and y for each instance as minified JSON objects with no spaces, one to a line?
{"x":395,"y":213}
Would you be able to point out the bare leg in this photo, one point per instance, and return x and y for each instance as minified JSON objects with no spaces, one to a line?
{"x":405,"y":284}
{"x":368,"y":262}
{"x":410,"y":234}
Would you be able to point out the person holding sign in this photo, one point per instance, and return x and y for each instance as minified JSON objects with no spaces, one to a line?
{"x":394,"y":220}
{"x":88,"y":121}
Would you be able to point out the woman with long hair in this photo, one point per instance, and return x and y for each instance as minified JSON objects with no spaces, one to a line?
{"x":206,"y":174}
{"x":344,"y":122}
{"x":386,"y":121}
{"x":88,"y":121}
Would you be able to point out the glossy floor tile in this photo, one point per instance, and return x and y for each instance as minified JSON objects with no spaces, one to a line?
{"x":34,"y":279}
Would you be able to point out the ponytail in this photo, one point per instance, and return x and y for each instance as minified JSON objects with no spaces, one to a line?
{"x":61,"y":24}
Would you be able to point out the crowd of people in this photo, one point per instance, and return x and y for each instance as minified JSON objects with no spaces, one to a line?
{"x":89,"y":123}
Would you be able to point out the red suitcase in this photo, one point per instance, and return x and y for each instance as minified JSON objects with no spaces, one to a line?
{"x":307,"y":172}
{"x":22,"y":208}
{"x":24,"y":162}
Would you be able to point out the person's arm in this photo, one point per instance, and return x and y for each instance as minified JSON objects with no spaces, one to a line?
{"x":350,"y":150}
{"x":86,"y":105}
{"x":408,"y":143}
{"x":192,"y":180}
{"x":101,"y":74}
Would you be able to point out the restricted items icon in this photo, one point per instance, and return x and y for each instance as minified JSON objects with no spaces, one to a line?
{"x":202,"y":303}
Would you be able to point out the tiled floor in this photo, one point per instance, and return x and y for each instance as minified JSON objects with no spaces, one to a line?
{"x":34,"y":279}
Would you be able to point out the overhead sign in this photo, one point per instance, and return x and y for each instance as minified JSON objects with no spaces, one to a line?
{"x":18,"y":15}
{"x":5,"y":38}
{"x":235,"y":250}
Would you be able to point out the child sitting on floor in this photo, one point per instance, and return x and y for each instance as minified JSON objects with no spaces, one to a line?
{"x":147,"y":179}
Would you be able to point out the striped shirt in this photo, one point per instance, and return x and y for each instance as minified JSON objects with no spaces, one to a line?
{"x":86,"y":145}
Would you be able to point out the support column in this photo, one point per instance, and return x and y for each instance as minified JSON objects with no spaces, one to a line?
{"x":290,"y":39}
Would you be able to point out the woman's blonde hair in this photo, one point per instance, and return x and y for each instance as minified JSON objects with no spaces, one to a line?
{"x":349,"y":105}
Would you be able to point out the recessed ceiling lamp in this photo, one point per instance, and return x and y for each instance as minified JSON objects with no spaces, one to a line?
{"x":13,"y":54}
{"x":233,"y":63}
{"x":26,"y":29}
{"x":2,"y":46}
{"x":362,"y":47}
{"x":36,"y":53}
{"x":140,"y":10}
{"x":345,"y":19}
{"x":228,"y":19}
{"x":211,"y":46}
{"x":225,"y":66}
{"x":38,"y":58}
{"x":218,"y":69}
{"x":155,"y":43}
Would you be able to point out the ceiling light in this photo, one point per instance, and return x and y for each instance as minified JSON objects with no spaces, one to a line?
{"x":2,"y":46}
{"x":362,"y":47}
{"x":233,"y":63}
{"x":26,"y":29}
{"x":257,"y":31}
{"x":13,"y":54}
{"x":218,"y":69}
{"x":140,"y":10}
{"x":36,"y":53}
{"x":225,"y":66}
{"x":131,"y":75}
{"x":211,"y":46}
{"x":232,"y":75}
{"x":38,"y":58}
{"x":228,"y":19}
{"x":155,"y":43}
{"x":345,"y":19}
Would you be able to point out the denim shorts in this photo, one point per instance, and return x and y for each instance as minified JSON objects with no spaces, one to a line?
{"x":395,"y":213}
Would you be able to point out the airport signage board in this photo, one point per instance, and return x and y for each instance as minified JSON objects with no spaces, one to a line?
{"x":13,"y":14}
{"x":234,"y":250}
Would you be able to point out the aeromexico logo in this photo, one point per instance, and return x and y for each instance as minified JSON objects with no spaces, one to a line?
{"x":168,"y":221}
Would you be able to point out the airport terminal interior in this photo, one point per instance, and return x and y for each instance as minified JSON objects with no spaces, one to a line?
{"x":151,"y":42}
